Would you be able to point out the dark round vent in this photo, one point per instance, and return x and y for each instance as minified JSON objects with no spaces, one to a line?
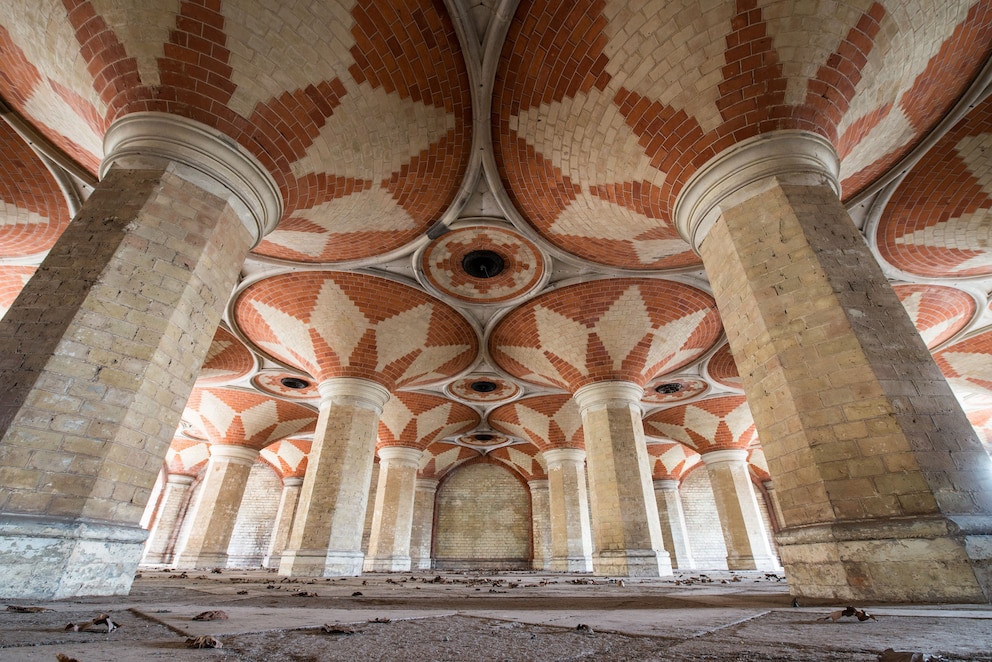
{"x":482,"y":264}
{"x":294,"y":383}
{"x":668,"y":389}
{"x":484,"y":386}
{"x":483,"y":437}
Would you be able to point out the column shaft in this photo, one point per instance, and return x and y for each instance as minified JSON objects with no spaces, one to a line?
{"x":326,"y":538}
{"x":673,"y":528}
{"x":571,"y":538}
{"x":626,"y":532}
{"x":392,"y":520}
{"x":161,"y":534}
{"x":288,"y":500}
{"x":423,"y":524}
{"x":540,"y":508}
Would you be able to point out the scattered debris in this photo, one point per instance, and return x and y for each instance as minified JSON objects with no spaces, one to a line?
{"x":583,"y":628}
{"x":102,"y":619}
{"x":213,"y":615}
{"x":137,"y":576}
{"x":204,"y":641}
{"x":338,"y":629}
{"x":62,"y":657}
{"x":244,"y":592}
{"x":795,"y":602}
{"x":18,"y":609}
{"x":621,"y":583}
{"x":305,"y":594}
{"x":380,"y":619}
{"x":356,"y":594}
{"x":217,"y":571}
{"x":181,"y":575}
{"x":861,"y":614}
{"x":889,"y":655}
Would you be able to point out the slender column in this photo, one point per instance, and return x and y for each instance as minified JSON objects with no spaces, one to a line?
{"x":288,"y":499}
{"x":100,"y":351}
{"x":886,"y":493}
{"x":423,"y":524}
{"x":743,"y":529}
{"x":540,"y":508}
{"x":392,"y":520}
{"x":673,"y":528}
{"x":216,"y":509}
{"x":627,"y":533}
{"x":571,"y":539}
{"x":157,"y":548}
{"x":773,"y":504}
{"x":326,"y":539}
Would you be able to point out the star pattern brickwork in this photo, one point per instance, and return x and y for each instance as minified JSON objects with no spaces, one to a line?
{"x":707,"y":425}
{"x":547,"y":421}
{"x":416,"y":420}
{"x":246,"y":418}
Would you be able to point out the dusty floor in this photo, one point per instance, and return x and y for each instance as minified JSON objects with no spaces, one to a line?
{"x":504,"y":616}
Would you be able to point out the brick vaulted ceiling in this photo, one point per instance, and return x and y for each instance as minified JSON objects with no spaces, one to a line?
{"x":413,"y":140}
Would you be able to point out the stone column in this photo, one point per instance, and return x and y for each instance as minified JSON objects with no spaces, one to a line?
{"x":216,"y":508}
{"x":673,"y":529}
{"x":571,"y":539}
{"x":775,"y":510}
{"x":886,"y":493}
{"x":423,"y":524}
{"x":743,"y":529}
{"x":175,"y":491}
{"x":326,"y":539}
{"x":392,"y":520}
{"x":540,"y":512}
{"x":626,"y":531}
{"x":288,"y":499}
{"x":101,"y":349}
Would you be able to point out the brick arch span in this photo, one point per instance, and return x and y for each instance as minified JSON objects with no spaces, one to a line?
{"x":706,"y":425}
{"x":360,"y":110}
{"x":938,"y":312}
{"x":664,"y":86}
{"x":337,"y":324}
{"x":246,"y":418}
{"x":227,"y":359}
{"x":547,"y":421}
{"x":288,"y":457}
{"x":671,"y":460}
{"x":416,"y":420}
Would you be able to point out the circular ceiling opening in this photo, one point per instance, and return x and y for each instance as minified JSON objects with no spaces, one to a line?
{"x":668,"y":389}
{"x":482,"y":264}
{"x":294,"y":383}
{"x":483,"y":437}
{"x":484,"y":386}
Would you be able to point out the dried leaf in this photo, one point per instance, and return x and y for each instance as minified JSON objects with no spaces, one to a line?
{"x":380,"y":619}
{"x":204,"y":641}
{"x":215,"y":615}
{"x":889,"y":655}
{"x":26,"y":610}
{"x":356,"y":594}
{"x":102,"y":619}
{"x":863,"y":615}
{"x":62,"y":657}
{"x":242,"y":592}
{"x":338,"y":629}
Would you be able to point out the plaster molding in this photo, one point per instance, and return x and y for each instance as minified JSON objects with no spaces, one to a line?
{"x":354,"y":391}
{"x":555,"y":457}
{"x":233,"y":453}
{"x":725,"y":456}
{"x":602,"y":393}
{"x":400,"y":456}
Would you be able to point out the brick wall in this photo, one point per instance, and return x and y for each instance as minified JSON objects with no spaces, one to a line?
{"x":483,"y":520}
{"x":256,"y":517}
{"x":703,"y":522}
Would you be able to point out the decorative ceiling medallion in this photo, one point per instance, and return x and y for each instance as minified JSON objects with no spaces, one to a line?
{"x":287,"y":385}
{"x":483,"y":388}
{"x":484,"y":439}
{"x":673,"y":389}
{"x":486,"y":265}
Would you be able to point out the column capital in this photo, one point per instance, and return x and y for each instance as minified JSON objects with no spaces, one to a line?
{"x":601,"y":393}
{"x":234,"y":453}
{"x":799,"y":155}
{"x":216,"y":157}
{"x":539,"y":484}
{"x":724,"y":456}
{"x":666,"y":484}
{"x":354,"y":390}
{"x":427,"y":484}
{"x":400,"y":455}
{"x":559,"y":456}
{"x":179,"y":479}
{"x":292,"y":481}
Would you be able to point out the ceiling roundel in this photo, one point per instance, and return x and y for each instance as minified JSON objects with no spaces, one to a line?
{"x":705,"y":425}
{"x":337,"y":324}
{"x":416,"y":420}
{"x":603,"y":111}
{"x":547,"y":421}
{"x":665,"y":390}
{"x":938,"y":221}
{"x":286,"y":384}
{"x":483,"y":389}
{"x":938,"y":312}
{"x":630,"y":329}
{"x":246,"y":418}
{"x":227,"y":359}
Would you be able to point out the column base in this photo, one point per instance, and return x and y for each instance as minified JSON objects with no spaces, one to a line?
{"x":387,"y":564}
{"x":571,"y":564}
{"x":422,"y":564}
{"x":632,"y":563}
{"x":931,"y":560}
{"x":320,"y":563}
{"x":49,"y":558}
{"x":201,"y":561}
{"x":748,"y":562}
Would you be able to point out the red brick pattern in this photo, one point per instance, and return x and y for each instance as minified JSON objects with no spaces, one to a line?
{"x":416,"y":420}
{"x":671,"y":460}
{"x":246,"y":418}
{"x":617,"y":329}
{"x":938,"y":312}
{"x":462,"y":389}
{"x":440,"y":458}
{"x":723,"y":369}
{"x":33,"y":211}
{"x":12,"y":279}
{"x":187,"y":457}
{"x":690,"y":388}
{"x":936,"y":224}
{"x":271,"y":382}
{"x":336,"y":324}
{"x":227,"y":359}
{"x":523,"y":266}
{"x":288,"y":457}
{"x":758,"y":464}
{"x":547,"y":421}
{"x":707,"y":425}
{"x":967,"y":364}
{"x":521,"y":459}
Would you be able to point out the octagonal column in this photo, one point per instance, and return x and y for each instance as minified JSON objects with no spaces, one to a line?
{"x":326,"y":539}
{"x":392,"y":519}
{"x":673,"y":528}
{"x":103,"y":345}
{"x":540,"y":509}
{"x":743,"y":529}
{"x":423,"y":524}
{"x":571,"y":539}
{"x":216,"y":507}
{"x":626,"y":532}
{"x":175,"y":492}
{"x":886,"y":493}
{"x":288,"y":499}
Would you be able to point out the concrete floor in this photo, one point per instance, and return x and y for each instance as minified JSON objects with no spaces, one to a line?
{"x":474,"y":616}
